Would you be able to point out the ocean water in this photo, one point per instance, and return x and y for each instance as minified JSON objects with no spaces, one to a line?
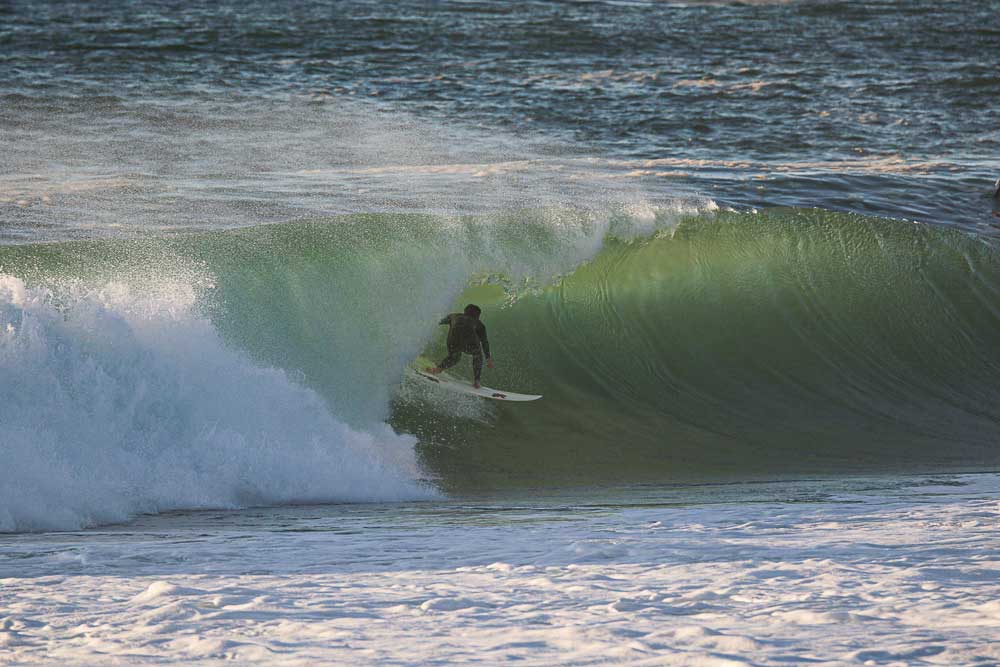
{"x":746,"y":250}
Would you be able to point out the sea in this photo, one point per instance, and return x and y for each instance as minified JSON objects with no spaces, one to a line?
{"x":748,"y":252}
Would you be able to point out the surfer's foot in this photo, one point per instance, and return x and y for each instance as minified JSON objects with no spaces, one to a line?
{"x":476,"y":385}
{"x":434,"y":370}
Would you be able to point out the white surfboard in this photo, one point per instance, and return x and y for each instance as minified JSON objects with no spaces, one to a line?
{"x":463,"y":387}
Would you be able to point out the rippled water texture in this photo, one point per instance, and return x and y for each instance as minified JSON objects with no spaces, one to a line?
{"x":873,"y":107}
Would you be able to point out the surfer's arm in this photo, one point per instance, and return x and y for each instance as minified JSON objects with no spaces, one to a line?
{"x":445,"y":320}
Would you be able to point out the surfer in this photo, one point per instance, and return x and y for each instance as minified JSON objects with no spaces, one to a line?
{"x":466,"y":334}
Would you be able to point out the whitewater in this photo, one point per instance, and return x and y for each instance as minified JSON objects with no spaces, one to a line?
{"x":118,"y":404}
{"x":857,"y":572}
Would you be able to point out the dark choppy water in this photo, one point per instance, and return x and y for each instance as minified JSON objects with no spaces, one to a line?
{"x":876,"y":107}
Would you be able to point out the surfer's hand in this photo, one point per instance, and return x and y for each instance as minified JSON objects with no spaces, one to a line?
{"x":489,"y":363}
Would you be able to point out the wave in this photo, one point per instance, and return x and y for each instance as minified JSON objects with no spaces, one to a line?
{"x":264,"y":365}
{"x":247,"y":367}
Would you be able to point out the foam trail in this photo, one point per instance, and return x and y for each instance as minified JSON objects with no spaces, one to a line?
{"x":115,"y":403}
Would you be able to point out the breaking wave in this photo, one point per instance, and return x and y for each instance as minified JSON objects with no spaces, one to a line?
{"x":265,"y":365}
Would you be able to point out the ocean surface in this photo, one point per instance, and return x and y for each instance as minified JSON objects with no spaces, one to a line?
{"x":747,"y":251}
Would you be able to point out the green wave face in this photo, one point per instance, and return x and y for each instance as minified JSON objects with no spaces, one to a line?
{"x":732,"y":345}
{"x":792,"y":342}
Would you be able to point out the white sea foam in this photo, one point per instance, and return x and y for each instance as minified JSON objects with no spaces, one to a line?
{"x":857,"y":580}
{"x":116,"y":402}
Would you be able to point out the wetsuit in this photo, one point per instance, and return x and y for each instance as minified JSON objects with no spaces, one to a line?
{"x":468,"y":335}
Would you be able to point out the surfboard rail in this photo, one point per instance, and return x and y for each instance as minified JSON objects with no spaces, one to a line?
{"x":463,"y":387}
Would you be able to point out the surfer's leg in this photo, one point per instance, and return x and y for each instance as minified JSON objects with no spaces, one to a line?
{"x":449,"y":361}
{"x":477,"y":367}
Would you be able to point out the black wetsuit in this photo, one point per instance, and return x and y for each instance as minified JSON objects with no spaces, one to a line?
{"x":468,"y":335}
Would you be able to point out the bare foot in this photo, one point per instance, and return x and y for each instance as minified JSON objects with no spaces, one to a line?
{"x":476,"y":385}
{"x":434,"y":370}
